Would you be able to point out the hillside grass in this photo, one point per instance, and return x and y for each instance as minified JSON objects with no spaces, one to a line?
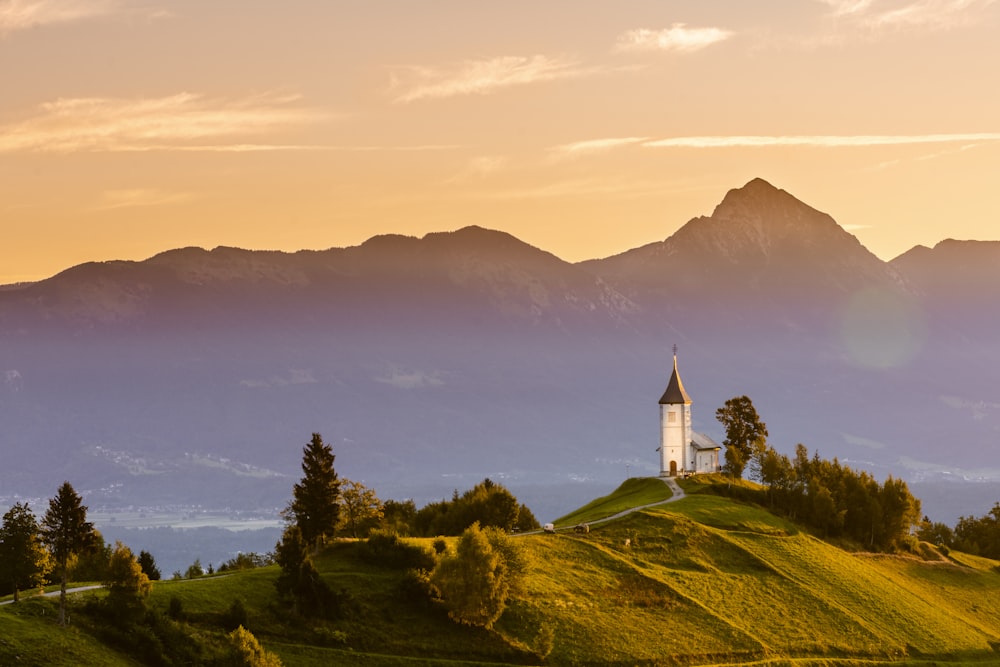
{"x":701,"y":581}
{"x":633,"y":492}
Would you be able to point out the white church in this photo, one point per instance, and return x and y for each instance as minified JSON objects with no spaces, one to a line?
{"x":682,"y":451}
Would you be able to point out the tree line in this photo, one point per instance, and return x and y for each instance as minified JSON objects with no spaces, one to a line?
{"x":979,"y":536}
{"x":827,"y":496}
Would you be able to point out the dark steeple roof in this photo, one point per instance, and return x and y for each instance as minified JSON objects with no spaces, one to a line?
{"x":675,"y":390}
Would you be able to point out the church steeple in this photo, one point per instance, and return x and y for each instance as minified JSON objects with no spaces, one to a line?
{"x":675,"y":393}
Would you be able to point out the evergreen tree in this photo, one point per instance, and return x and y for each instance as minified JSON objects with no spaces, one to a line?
{"x":148,"y":565}
{"x":299,"y":580}
{"x":67,"y":532}
{"x":315,"y":506}
{"x":746,"y":436}
{"x":23,"y":558}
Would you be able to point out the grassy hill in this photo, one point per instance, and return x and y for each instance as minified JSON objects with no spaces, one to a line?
{"x":702,"y":581}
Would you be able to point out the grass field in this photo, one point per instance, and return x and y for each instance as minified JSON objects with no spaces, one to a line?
{"x":701,"y":581}
{"x":634,"y":492}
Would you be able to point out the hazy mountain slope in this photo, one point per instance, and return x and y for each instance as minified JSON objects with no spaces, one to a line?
{"x":196,"y":376}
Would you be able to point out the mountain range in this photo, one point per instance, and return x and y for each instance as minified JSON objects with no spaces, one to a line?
{"x":195,"y":377}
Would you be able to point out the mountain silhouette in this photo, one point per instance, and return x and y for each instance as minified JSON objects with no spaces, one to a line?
{"x":433,"y":362}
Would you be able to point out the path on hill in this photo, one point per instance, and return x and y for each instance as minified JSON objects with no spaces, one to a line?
{"x":677,"y":494}
{"x":675,"y":488}
{"x":51,"y":594}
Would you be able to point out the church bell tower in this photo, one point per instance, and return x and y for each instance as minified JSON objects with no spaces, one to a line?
{"x":675,"y":427}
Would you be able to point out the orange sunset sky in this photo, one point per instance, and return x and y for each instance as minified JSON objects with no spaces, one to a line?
{"x":584,"y":128}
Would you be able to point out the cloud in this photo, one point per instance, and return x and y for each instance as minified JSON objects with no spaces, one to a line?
{"x":677,"y":37}
{"x":914,"y":14}
{"x":112,"y":199}
{"x":817,"y":141}
{"x":184,"y":121}
{"x":588,"y":146}
{"x":23,"y":14}
{"x":482,"y":77}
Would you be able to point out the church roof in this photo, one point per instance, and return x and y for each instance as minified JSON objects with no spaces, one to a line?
{"x":675,"y":390}
{"x":702,"y":442}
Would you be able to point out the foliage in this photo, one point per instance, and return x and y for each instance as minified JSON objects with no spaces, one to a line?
{"x":476,"y":581}
{"x":835,"y":500}
{"x":23,"y":558}
{"x":360,"y":509}
{"x":67,"y":532}
{"x":127,"y":585}
{"x":248,"y":652}
{"x":247,"y":561}
{"x":315,"y":506}
{"x":386,"y":549}
{"x":487,"y":503}
{"x":148,"y":565}
{"x":980,"y":536}
{"x":92,"y":563}
{"x":194,"y":570}
{"x":746,"y":436}
{"x":397,"y":516}
{"x":299,"y":580}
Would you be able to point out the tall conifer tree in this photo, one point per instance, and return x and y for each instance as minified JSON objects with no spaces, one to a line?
{"x":67,"y":532}
{"x":316,"y":498}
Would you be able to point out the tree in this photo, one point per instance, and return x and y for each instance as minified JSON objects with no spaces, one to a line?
{"x":360,"y":508}
{"x":315,"y":505}
{"x":148,"y":565}
{"x":23,"y":558}
{"x":299,"y":580}
{"x":398,"y":515}
{"x":67,"y":532}
{"x":127,"y":584}
{"x":746,"y":436}
{"x":476,"y":581}
{"x":247,"y":651}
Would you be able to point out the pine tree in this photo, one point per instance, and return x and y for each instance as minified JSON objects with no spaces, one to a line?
{"x":23,"y":558}
{"x":67,"y":532}
{"x":315,"y":505}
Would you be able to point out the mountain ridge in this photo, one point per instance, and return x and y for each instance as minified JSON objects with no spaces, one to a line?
{"x":470,"y":353}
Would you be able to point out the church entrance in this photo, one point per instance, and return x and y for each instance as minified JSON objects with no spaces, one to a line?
{"x":673,"y":468}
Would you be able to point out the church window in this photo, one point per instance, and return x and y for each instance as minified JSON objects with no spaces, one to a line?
{"x":671,"y":417}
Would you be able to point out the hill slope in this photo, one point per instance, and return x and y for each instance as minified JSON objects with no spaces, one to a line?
{"x":702,"y":581}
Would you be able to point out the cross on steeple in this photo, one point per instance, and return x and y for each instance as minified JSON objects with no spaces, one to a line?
{"x":675,"y":349}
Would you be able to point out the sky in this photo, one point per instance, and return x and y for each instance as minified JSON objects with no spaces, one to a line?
{"x":584,"y":128}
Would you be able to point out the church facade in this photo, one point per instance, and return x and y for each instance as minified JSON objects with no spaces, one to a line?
{"x":682,"y":451}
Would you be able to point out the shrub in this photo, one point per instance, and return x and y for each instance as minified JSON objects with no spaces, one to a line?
{"x":386,"y":549}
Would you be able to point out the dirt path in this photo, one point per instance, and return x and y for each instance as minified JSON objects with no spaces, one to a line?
{"x":52,"y":594}
{"x":675,"y":488}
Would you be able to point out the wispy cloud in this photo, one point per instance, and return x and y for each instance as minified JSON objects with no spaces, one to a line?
{"x":23,"y":14}
{"x":903,"y":14}
{"x":184,"y":121}
{"x":818,"y":141}
{"x":113,"y":199}
{"x":482,"y":77}
{"x":589,"y":146}
{"x":677,"y":37}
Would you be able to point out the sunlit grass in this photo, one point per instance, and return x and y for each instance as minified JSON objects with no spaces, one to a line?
{"x":633,"y":492}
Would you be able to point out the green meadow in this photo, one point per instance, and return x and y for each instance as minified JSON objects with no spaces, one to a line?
{"x":701,"y":581}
